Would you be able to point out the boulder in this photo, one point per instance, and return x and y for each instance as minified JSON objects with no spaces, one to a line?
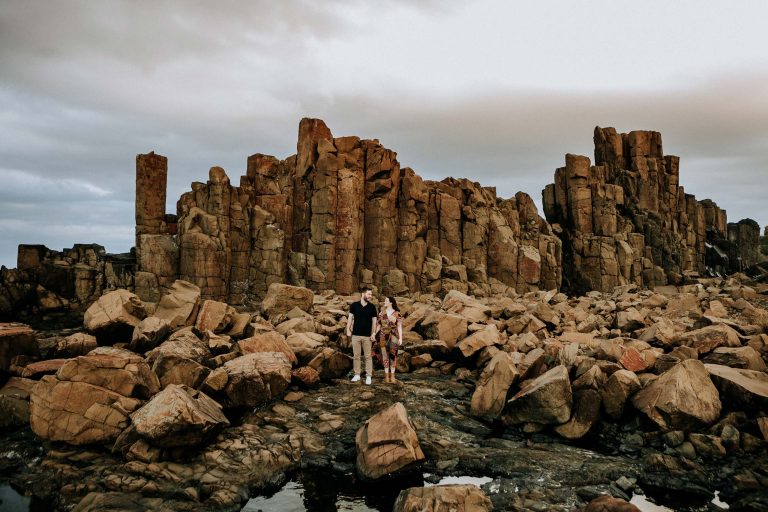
{"x":490,"y":395}
{"x":331,"y":364}
{"x":252,"y":379}
{"x":149,"y":333}
{"x":387,"y":443}
{"x":15,"y":340}
{"x":14,"y":402}
{"x":114,"y":316}
{"x":215,"y":316}
{"x":746,"y":389}
{"x":617,"y":391}
{"x":586,"y":413}
{"x":465,"y":306}
{"x":282,"y":298}
{"x":546,"y":400}
{"x":445,"y":327}
{"x":305,"y":376}
{"x":178,"y":416}
{"x":746,"y":358}
{"x":306,"y":345}
{"x":181,"y":359}
{"x":113,"y":369}
{"x":271,"y":341}
{"x":681,"y":398}
{"x":78,"y":412}
{"x":179,"y":306}
{"x":78,"y":344}
{"x":38,"y":369}
{"x":710,"y":337}
{"x":609,"y":504}
{"x":443,"y":498}
{"x":474,"y":343}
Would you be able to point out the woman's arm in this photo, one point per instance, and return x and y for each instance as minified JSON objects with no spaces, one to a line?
{"x":400,"y":331}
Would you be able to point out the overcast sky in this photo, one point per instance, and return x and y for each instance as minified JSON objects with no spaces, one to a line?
{"x":496,"y":91}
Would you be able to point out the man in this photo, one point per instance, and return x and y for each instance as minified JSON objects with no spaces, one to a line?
{"x":361,"y":327}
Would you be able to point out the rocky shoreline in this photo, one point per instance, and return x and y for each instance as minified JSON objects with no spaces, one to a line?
{"x":191,"y":405}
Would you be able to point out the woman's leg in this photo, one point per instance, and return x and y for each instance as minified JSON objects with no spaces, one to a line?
{"x":385,"y":362}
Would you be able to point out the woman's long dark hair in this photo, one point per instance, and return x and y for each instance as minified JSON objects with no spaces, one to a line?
{"x":394,"y":304}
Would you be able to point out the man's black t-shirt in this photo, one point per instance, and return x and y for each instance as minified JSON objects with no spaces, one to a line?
{"x":363,"y":316}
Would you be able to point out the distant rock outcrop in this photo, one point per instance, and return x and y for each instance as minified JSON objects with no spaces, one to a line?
{"x":626,"y":219}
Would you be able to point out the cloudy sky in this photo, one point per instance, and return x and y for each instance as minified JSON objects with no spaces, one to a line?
{"x":493,"y":90}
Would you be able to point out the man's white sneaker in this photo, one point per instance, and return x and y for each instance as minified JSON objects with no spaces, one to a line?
{"x":356,"y":378}
{"x":368,"y":380}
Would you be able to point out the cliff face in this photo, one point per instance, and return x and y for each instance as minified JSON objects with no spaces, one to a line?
{"x":626,"y":219}
{"x":340,"y":214}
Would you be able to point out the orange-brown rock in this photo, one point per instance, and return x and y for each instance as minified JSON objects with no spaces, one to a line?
{"x":114,"y":316}
{"x":387,"y":443}
{"x":15,"y":339}
{"x":250,"y":380}
{"x":438,"y":498}
{"x":178,"y":416}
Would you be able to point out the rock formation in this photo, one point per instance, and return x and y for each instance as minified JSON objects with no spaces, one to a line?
{"x":339,"y":214}
{"x":626,"y":219}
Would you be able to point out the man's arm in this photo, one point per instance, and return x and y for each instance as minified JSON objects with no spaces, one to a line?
{"x":350,"y":321}
{"x":373,"y":328}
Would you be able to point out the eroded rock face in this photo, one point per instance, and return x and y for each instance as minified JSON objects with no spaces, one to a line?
{"x":114,"y":316}
{"x":15,"y":339}
{"x":250,"y":380}
{"x":387,"y":443}
{"x":547,"y":400}
{"x":683,"y":397}
{"x":627,"y":220}
{"x":282,"y":298}
{"x":490,"y":395}
{"x":78,"y":412}
{"x":438,"y":498}
{"x":178,"y":416}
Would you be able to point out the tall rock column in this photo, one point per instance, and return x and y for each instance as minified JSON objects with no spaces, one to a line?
{"x":157,"y":254}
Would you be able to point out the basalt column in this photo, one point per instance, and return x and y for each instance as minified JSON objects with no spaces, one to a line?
{"x":157,"y":254}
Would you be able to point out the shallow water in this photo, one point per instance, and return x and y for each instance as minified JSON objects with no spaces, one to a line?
{"x":320,"y":491}
{"x":12,"y":501}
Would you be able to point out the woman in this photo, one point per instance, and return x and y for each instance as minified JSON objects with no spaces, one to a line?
{"x":390,"y":336}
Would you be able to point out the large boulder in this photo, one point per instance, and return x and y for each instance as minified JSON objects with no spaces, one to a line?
{"x":250,"y":380}
{"x":149,"y":333}
{"x":447,"y":327}
{"x":15,"y":339}
{"x":78,"y":412}
{"x":681,"y":398}
{"x":178,"y":416}
{"x":113,"y":369}
{"x":331,"y":364}
{"x":747,"y":389}
{"x":281,"y":298}
{"x":181,"y":359}
{"x":586,"y":413}
{"x":271,"y":341}
{"x":710,"y":337}
{"x":179,"y":306}
{"x":78,"y":344}
{"x":621,"y":385}
{"x":465,"y":306}
{"x":14,"y":402}
{"x":736,"y":357}
{"x":306,"y":345}
{"x":476,"y":342}
{"x":490,"y":395}
{"x":114,"y":316}
{"x":443,"y":498}
{"x":547,"y":400}
{"x":387,"y":443}
{"x":215,"y":316}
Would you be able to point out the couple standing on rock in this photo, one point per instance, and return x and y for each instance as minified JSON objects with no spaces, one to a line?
{"x":366,"y":327}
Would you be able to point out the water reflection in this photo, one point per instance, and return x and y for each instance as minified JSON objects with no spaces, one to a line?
{"x":324,"y":490}
{"x":11,"y":501}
